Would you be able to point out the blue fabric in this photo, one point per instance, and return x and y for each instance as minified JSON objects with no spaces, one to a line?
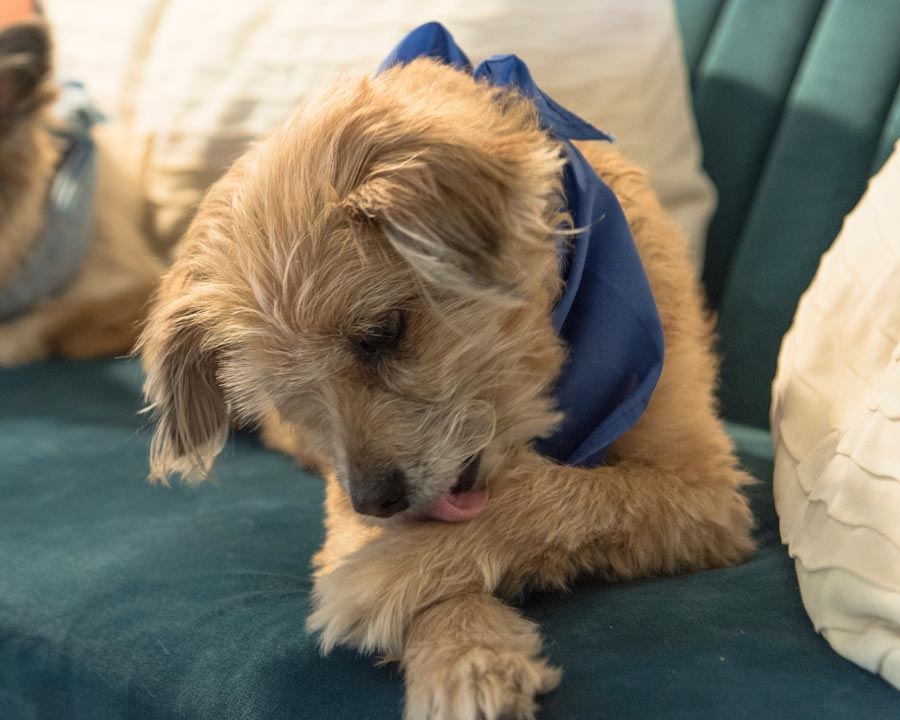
{"x":606,"y":315}
{"x":59,"y":251}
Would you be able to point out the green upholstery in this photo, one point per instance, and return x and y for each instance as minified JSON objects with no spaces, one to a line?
{"x":797,"y":104}
{"x":119,"y":600}
{"x":123,"y":600}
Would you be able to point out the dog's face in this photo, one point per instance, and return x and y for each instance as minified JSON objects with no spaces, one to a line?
{"x":24,"y":70}
{"x":380,"y":273}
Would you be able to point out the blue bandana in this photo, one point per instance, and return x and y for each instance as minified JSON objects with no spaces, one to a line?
{"x":58,"y":252}
{"x":606,"y":314}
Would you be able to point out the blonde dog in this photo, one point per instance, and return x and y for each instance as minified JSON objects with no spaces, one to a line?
{"x":67,"y":286}
{"x":373,"y":283}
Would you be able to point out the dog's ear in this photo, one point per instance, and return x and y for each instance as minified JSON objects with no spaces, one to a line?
{"x":25,"y":59}
{"x":182,"y":388}
{"x":467,"y":217}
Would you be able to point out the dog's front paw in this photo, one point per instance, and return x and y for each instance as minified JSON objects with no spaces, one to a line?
{"x":354,"y":607}
{"x":368,"y":600}
{"x":473,"y":658}
{"x":479,"y":682}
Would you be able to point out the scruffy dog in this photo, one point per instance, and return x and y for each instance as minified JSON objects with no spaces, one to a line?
{"x":373,"y":283}
{"x":56,"y":298}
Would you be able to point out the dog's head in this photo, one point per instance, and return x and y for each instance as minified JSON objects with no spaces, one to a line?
{"x":24,"y":71}
{"x":26,"y":153}
{"x":379,"y":272}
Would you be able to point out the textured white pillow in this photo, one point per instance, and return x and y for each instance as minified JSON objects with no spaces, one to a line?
{"x":197,"y":79}
{"x":836,"y":428}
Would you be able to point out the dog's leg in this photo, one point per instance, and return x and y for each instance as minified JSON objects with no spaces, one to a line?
{"x":345,"y":532}
{"x":471,"y":656}
{"x":23,"y":340}
{"x":545,"y":524}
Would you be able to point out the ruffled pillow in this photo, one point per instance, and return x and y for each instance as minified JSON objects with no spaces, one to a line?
{"x":836,"y":428}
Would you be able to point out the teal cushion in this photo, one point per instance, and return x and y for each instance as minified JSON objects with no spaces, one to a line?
{"x":797,"y":105}
{"x":123,"y":600}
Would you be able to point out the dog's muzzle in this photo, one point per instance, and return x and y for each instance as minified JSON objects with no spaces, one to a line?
{"x":381,"y":496}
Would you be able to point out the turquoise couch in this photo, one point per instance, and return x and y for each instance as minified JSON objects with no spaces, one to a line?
{"x":121,"y":600}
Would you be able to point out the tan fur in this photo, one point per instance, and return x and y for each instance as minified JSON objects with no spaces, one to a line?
{"x":424,"y":191}
{"x":98,"y":312}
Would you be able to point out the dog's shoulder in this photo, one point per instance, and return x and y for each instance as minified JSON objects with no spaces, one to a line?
{"x":663,"y":247}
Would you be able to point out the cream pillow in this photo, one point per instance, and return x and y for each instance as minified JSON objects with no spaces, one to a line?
{"x":836,"y":429}
{"x":196,"y":80}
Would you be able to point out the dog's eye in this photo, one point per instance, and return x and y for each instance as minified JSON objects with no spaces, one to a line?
{"x":383,"y":336}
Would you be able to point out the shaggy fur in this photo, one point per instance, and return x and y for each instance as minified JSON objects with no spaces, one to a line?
{"x":423,"y":191}
{"x":99,"y":311}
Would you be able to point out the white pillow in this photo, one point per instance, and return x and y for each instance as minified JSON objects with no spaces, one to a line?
{"x":836,"y":428}
{"x":197,"y":79}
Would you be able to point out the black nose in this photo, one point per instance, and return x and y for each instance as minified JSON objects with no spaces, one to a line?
{"x":381,"y":496}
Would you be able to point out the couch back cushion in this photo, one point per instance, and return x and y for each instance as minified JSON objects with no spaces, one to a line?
{"x":797,"y":105}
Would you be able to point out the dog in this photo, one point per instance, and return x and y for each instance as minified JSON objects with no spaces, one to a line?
{"x":374,"y":284}
{"x":75,"y":271}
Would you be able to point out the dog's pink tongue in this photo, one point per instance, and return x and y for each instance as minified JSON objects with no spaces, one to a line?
{"x":458,"y":507}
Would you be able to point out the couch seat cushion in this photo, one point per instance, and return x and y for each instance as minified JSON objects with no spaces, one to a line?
{"x":122,"y":600}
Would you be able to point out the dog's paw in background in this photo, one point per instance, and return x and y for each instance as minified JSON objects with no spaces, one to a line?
{"x":473,"y":658}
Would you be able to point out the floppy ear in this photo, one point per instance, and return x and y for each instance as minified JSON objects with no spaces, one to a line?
{"x":181,"y":388}
{"x":464,"y":216}
{"x":24,"y":65}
